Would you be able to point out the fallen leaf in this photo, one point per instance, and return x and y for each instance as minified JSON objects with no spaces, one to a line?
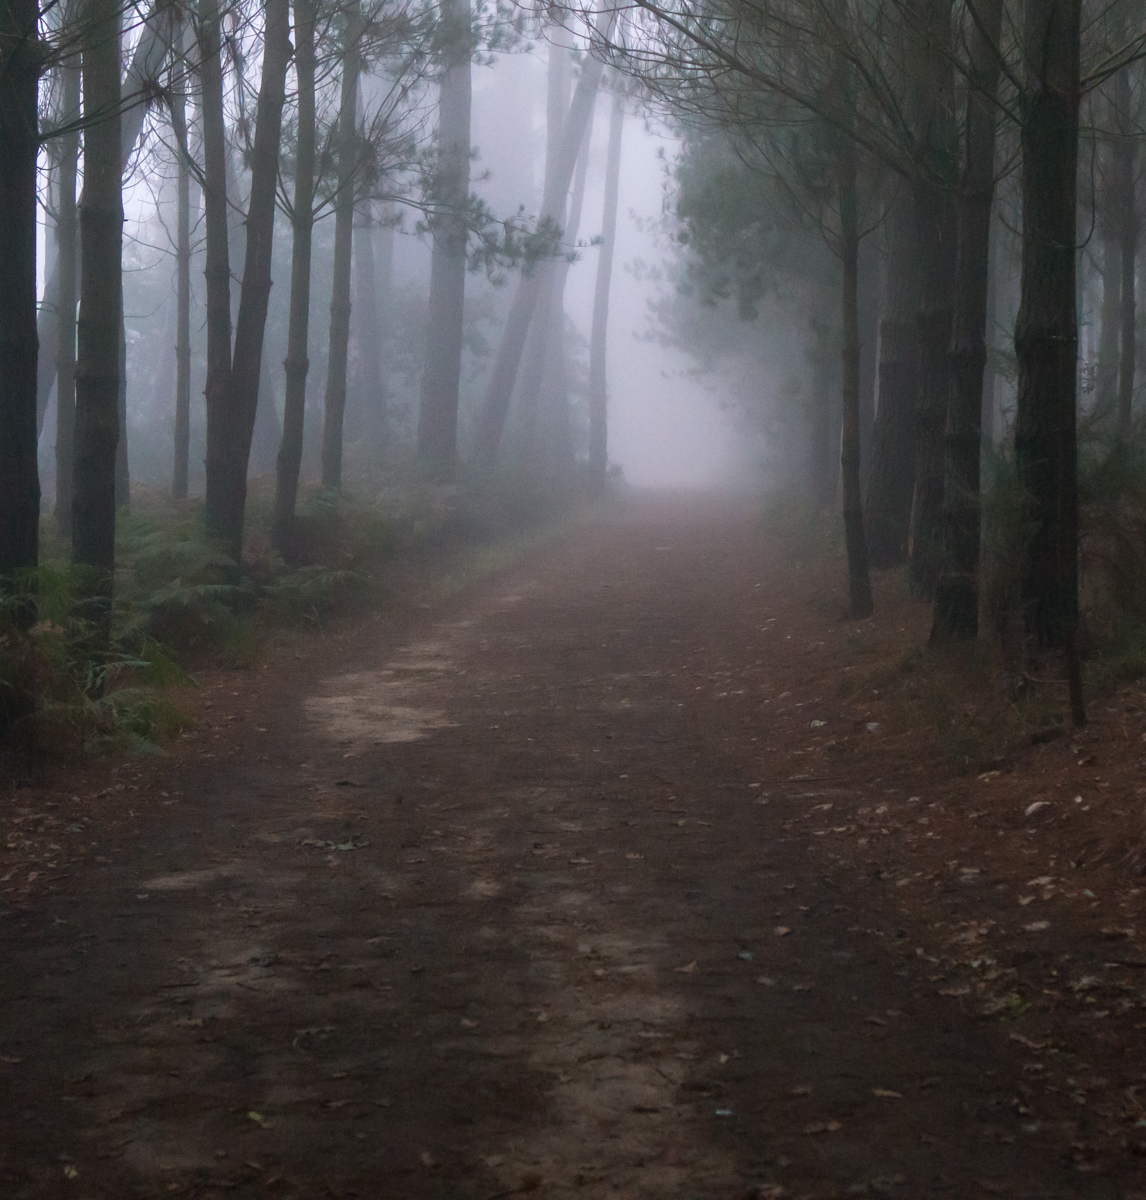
{"x":71,"y":1172}
{"x":782,"y":931}
{"x":803,"y":1090}
{"x":955,"y":991}
{"x":745,"y":956}
{"x":687,"y":969}
{"x":1034,"y":808}
{"x":258,"y":1118}
{"x":887,"y":1094}
{"x":822,"y":1127}
{"x":427,"y":1159}
{"x":1037,"y":926}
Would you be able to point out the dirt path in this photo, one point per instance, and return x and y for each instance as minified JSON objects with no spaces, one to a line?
{"x":587,"y":883}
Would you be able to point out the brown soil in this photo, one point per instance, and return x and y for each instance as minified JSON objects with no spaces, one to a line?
{"x":625,"y":873}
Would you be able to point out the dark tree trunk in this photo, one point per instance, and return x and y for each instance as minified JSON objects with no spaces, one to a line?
{"x":98,"y":327}
{"x":1125,"y":153}
{"x":1046,"y":331}
{"x":990,"y":418}
{"x":500,"y":388}
{"x":19,"y":126}
{"x":146,"y":63}
{"x":335,"y":407}
{"x":182,"y":298}
{"x":859,"y":581}
{"x":598,"y":391}
{"x":232,"y":401}
{"x":823,"y":449}
{"x":437,"y":446}
{"x":957,"y":592}
{"x":891,"y":479}
{"x":302,"y":222}
{"x":122,"y":474}
{"x":66,"y":317}
{"x":868,"y":306}
{"x":935,"y":186}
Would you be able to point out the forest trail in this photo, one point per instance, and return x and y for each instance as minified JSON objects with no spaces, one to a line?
{"x":590,"y":882}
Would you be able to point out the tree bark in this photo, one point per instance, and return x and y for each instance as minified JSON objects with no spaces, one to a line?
{"x":956,"y":613}
{"x":19,"y":126}
{"x":369,"y":395}
{"x":549,"y":345}
{"x":437,"y":439}
{"x":98,"y":353}
{"x":891,"y":479}
{"x":182,"y":295}
{"x":868,"y":306}
{"x":1106,"y":375}
{"x":122,"y":474}
{"x":66,"y":315}
{"x":335,"y":406}
{"x":1046,"y":331}
{"x":598,"y":391}
{"x":935,"y":186}
{"x":146,"y":62}
{"x":859,"y":580}
{"x":1125,"y":153}
{"x":499,"y":391}
{"x":233,"y":383}
{"x":302,"y":222}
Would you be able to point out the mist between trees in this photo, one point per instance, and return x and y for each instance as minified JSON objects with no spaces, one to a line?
{"x":902,"y":236}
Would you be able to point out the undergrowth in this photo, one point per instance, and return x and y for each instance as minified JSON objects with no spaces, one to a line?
{"x":181,"y":604}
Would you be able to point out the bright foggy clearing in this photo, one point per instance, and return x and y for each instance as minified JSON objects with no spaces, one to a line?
{"x":590,"y":642}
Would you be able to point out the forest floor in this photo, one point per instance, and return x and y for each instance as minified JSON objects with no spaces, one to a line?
{"x":631,"y":870}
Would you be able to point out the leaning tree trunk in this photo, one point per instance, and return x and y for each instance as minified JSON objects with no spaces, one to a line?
{"x":1125,"y":153}
{"x":859,"y":580}
{"x":66,"y":317}
{"x":1046,"y":331}
{"x":891,"y":479}
{"x":598,"y":392}
{"x":98,"y":356}
{"x":935,"y":186}
{"x":957,"y":592}
{"x":437,"y":439}
{"x":19,"y":126}
{"x":233,"y":383}
{"x":549,"y":322}
{"x":335,"y":407}
{"x":499,"y":390}
{"x":302,"y":223}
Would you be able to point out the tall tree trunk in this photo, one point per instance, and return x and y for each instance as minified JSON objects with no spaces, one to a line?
{"x":302,"y":222}
{"x":19,"y":126}
{"x":868,"y":305}
{"x":144,"y":71}
{"x":1106,"y":375}
{"x":549,"y":319}
{"x":499,"y":390}
{"x":891,"y":479}
{"x":370,"y":397}
{"x":217,"y":271}
{"x":122,"y":474}
{"x":859,"y":581}
{"x":1125,"y":153}
{"x":66,"y":317}
{"x":335,"y":407}
{"x":437,"y":439}
{"x":182,"y":297}
{"x":1046,"y":331}
{"x":957,"y":592}
{"x":98,"y":354}
{"x":935,"y":187}
{"x":598,"y":391}
{"x":558,"y":73}
{"x":990,"y":418}
{"x":232,"y":401}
